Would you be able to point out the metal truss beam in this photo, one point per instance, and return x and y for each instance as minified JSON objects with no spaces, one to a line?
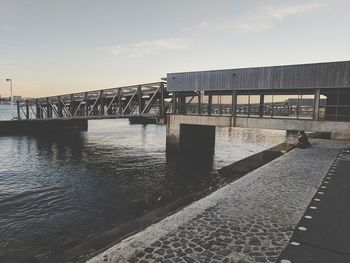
{"x":129,"y":102}
{"x":120,"y":102}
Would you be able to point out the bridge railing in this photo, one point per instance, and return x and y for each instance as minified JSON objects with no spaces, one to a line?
{"x":122,"y":102}
{"x":253,"y":110}
{"x":322,"y":104}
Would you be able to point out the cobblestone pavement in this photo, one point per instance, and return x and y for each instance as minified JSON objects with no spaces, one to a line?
{"x":250,"y":220}
{"x":323,"y":233}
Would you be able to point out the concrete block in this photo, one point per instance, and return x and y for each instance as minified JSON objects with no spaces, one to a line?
{"x":340,"y":135}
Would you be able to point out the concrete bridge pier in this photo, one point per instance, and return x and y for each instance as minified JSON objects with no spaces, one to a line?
{"x":189,"y":138}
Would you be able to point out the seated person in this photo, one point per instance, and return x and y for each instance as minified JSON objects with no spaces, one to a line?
{"x":303,"y":141}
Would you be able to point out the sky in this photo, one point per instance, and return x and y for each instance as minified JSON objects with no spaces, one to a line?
{"x":65,"y":46}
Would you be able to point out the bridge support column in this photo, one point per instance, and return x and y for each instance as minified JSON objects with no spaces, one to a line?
{"x":102,"y":109}
{"x":199,"y":102}
{"x":161,"y":101}
{"x":60,"y":107}
{"x":119,"y":106}
{"x":86,"y":106}
{"x":71,"y":108}
{"x":173,"y":103}
{"x":182,"y":104}
{"x":189,"y":138}
{"x":139,"y":98}
{"x":48,"y":108}
{"x":162,"y":117}
{"x":317,"y":104}
{"x":210,"y":104}
{"x":38,"y":110}
{"x":233,"y":108}
{"x":27,"y":109}
{"x":261,"y":106}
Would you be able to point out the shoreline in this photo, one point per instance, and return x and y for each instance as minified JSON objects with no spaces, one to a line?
{"x":115,"y":235}
{"x":272,"y":199}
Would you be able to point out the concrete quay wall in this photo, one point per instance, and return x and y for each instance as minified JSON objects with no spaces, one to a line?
{"x":42,"y":126}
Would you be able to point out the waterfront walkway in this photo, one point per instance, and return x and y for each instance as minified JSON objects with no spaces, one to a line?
{"x":250,"y":220}
{"x":323,"y":233}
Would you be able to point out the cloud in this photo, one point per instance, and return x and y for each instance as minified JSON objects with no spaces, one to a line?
{"x":262,"y":19}
{"x":149,"y":47}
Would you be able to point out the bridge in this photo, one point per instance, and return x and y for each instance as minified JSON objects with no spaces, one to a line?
{"x":144,"y":101}
{"x":310,"y":97}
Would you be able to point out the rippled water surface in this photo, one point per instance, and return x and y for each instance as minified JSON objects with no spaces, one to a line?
{"x":57,"y":192}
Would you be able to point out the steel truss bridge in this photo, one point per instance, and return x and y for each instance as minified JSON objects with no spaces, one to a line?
{"x":146,"y":100}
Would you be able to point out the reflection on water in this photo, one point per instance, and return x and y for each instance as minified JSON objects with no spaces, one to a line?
{"x":59,"y":191}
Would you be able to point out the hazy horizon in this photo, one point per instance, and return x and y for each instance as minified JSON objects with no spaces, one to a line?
{"x":56,"y":47}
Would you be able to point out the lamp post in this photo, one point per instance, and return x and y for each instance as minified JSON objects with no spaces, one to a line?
{"x":11,"y":103}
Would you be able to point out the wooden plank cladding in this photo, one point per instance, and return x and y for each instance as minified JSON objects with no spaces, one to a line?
{"x":304,"y":76}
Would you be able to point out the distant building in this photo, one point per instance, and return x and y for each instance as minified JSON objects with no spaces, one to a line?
{"x":6,"y":100}
{"x":17,"y":98}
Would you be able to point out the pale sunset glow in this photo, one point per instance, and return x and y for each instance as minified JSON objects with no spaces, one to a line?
{"x":55,"y":47}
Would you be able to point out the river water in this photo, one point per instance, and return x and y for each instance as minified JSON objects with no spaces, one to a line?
{"x":57,"y":192}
